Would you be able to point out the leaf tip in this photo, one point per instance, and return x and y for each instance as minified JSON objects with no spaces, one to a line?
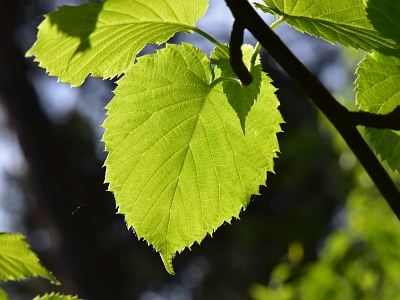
{"x":53,"y":279}
{"x":29,"y":53}
{"x":168,"y":263}
{"x":243,"y":125}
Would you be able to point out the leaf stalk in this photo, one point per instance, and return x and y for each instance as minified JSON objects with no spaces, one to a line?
{"x":211,"y":39}
{"x":224,"y":78}
{"x":277,"y":23}
{"x":254,"y":57}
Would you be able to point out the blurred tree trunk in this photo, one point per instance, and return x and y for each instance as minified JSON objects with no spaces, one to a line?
{"x":56,"y":156}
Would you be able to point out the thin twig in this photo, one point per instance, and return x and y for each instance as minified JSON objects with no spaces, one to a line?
{"x":235,"y":53}
{"x":388,"y":121}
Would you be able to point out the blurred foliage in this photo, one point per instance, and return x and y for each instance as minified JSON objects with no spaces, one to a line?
{"x":359,"y":260}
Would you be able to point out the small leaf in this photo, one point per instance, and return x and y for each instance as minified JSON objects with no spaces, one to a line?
{"x":102,"y":39}
{"x":378,"y":91}
{"x":17,"y":261}
{"x":342,"y":21}
{"x":241,"y":98}
{"x":178,"y":162}
{"x":3,"y":295}
{"x":56,"y":296}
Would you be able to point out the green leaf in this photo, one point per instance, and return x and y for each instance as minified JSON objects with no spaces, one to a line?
{"x":378,"y":92}
{"x":3,"y":295}
{"x":56,"y":296}
{"x":267,"y":10}
{"x":17,"y":261}
{"x":178,"y":162}
{"x":102,"y":39}
{"x":342,"y":21}
{"x":384,"y":15}
{"x":241,"y":98}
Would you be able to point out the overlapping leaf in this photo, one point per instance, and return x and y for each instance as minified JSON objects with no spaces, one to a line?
{"x":241,"y":98}
{"x":342,"y":21}
{"x":384,"y":15}
{"x":103,"y":38}
{"x":56,"y":296}
{"x":17,"y":261}
{"x":379,"y":78}
{"x":178,"y":163}
{"x":378,"y":91}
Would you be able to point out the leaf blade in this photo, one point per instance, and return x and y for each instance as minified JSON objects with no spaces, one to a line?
{"x":77,"y":41}
{"x":241,"y":98}
{"x":377,"y":92}
{"x":342,"y":21}
{"x":193,"y":169}
{"x":55,"y":296}
{"x":17,"y":261}
{"x":384,"y":15}
{"x":3,"y":295}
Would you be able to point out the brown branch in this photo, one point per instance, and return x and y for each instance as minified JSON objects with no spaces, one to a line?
{"x":337,"y":114}
{"x":388,"y":121}
{"x":236,"y":54}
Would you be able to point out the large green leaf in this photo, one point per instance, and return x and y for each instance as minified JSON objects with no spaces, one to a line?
{"x":342,"y":21}
{"x":103,"y":38}
{"x":241,"y":98}
{"x":378,"y":91}
{"x":17,"y":261}
{"x":178,"y":163}
{"x":56,"y":296}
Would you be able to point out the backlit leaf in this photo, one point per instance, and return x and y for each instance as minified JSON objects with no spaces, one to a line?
{"x":56,"y":296}
{"x":3,"y":295}
{"x":384,"y":15}
{"x":378,"y":91}
{"x":17,"y":261}
{"x":178,"y":162}
{"x":102,"y":39}
{"x":241,"y":98}
{"x":342,"y":21}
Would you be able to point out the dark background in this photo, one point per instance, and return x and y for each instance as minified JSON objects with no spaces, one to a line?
{"x":60,"y":202}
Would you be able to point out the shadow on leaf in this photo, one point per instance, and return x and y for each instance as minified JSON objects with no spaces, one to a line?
{"x":384,"y":15}
{"x":78,"y":22}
